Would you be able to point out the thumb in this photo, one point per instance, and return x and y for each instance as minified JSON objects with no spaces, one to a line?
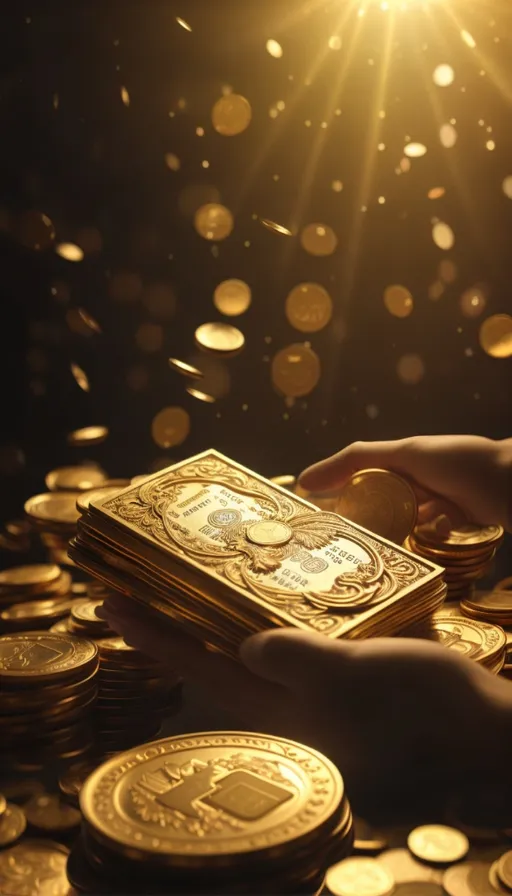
{"x":293,"y":658}
{"x":336,"y":470}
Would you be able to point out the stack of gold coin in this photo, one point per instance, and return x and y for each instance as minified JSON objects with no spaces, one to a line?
{"x":491,"y":606}
{"x":482,"y":642}
{"x":135,"y":695}
{"x":33,"y":596}
{"x":465,"y":553}
{"x":48,"y":689}
{"x":84,"y":622}
{"x":221,"y":812}
{"x":54,"y":515}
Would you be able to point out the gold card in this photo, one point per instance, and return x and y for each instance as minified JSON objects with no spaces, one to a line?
{"x":308,"y":567}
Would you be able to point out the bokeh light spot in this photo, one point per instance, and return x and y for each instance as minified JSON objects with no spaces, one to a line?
{"x":448,"y":136}
{"x":170,"y":427}
{"x":398,"y":300}
{"x":318,"y":239}
{"x":443,"y":75}
{"x":410,"y":369}
{"x":436,"y":192}
{"x":335,"y":42}
{"x":172,"y":161}
{"x":443,"y":235}
{"x":507,"y":186}
{"x":415,"y":150}
{"x":70,"y":251}
{"x":495,"y":336}
{"x":274,"y":48}
{"x":473,"y":301}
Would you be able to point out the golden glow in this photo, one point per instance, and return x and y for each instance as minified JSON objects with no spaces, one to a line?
{"x":232,"y":297}
{"x":183,"y":24}
{"x":398,"y":301}
{"x":415,"y":150}
{"x":274,"y":48}
{"x":443,"y":75}
{"x":443,"y":235}
{"x":213,"y":221}
{"x":496,"y":336}
{"x":69,"y":251}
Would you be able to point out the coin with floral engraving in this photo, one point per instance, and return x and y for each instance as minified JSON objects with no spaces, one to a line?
{"x":193,"y":800}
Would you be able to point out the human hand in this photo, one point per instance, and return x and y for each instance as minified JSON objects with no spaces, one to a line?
{"x":379,"y":708}
{"x":456,"y":478}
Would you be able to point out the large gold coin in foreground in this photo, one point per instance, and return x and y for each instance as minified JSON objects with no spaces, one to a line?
{"x":197,"y":799}
{"x":34,"y":868}
{"x":380,"y":501}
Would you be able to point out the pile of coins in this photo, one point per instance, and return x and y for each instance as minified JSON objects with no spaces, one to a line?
{"x":53,"y":515}
{"x":33,"y":594}
{"x":48,"y":689}
{"x":220,"y":812}
{"x":135,"y":695}
{"x":432,"y":865}
{"x":482,"y":642}
{"x":465,"y":553}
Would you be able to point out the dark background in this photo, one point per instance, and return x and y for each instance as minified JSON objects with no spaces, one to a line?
{"x":70,"y":148}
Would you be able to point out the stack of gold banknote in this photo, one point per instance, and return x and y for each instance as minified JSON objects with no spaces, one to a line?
{"x":135,"y":695}
{"x":48,"y":689}
{"x":465,"y":553}
{"x":220,"y":812}
{"x":224,"y":553}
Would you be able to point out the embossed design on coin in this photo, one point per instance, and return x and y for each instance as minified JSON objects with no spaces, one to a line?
{"x":269,"y":532}
{"x":359,"y":876}
{"x":208,"y":795}
{"x":472,"y":638}
{"x":438,"y":843}
{"x":34,"y":868}
{"x":41,"y":654}
{"x":224,"y":517}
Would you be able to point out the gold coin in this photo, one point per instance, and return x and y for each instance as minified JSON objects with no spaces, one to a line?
{"x":359,"y":876}
{"x":88,"y":435}
{"x":296,"y":370}
{"x":213,"y":221}
{"x":48,"y":812}
{"x":53,"y":507}
{"x":185,"y":369}
{"x":468,"y":879}
{"x":44,"y":655}
{"x":232,"y":297}
{"x":3,"y":804}
{"x":80,"y":478}
{"x":494,"y":878}
{"x":20,"y":577}
{"x":381,"y":502}
{"x":269,"y":532}
{"x":308,"y":307}
{"x":96,"y":494}
{"x":199,"y":798}
{"x":231,"y":114}
{"x":219,"y":337}
{"x":60,"y":628}
{"x":34,"y":868}
{"x":170,"y":427}
{"x":438,"y":843}
{"x":495,"y":335}
{"x":505,"y":869}
{"x":12,"y":825}
{"x":467,"y":535}
{"x":497,"y":602}
{"x":277,"y":228}
{"x":318,"y":239}
{"x":85,"y":611}
{"x":201,"y":396}
{"x":36,"y":609}
{"x":477,"y":640}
